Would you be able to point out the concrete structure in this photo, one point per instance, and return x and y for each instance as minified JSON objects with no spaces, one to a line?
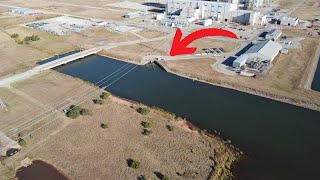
{"x":249,"y":4}
{"x":207,"y":22}
{"x":159,"y":17}
{"x":62,"y":25}
{"x":266,"y":50}
{"x":7,"y":145}
{"x":273,"y":34}
{"x":257,"y":3}
{"x":248,"y":17}
{"x":25,"y":11}
{"x":49,"y":65}
{"x":131,"y":15}
{"x":289,"y":21}
{"x":240,"y":61}
{"x":205,"y":9}
{"x":227,"y":10}
{"x":261,"y":51}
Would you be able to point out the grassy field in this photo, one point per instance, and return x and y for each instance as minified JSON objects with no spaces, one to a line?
{"x":309,"y":10}
{"x":286,"y":4}
{"x":136,"y":52}
{"x":286,"y":78}
{"x":72,"y":144}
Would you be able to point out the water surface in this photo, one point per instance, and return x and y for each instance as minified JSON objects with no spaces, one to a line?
{"x":39,"y":170}
{"x":316,"y":80}
{"x":281,"y":140}
{"x":57,"y":57}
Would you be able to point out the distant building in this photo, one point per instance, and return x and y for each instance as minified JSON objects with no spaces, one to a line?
{"x":25,"y":11}
{"x":262,"y":51}
{"x":240,"y":61}
{"x":131,"y":15}
{"x":289,"y":21}
{"x":220,"y":10}
{"x":273,"y":34}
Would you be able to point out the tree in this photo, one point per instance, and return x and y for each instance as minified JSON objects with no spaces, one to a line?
{"x":98,"y":101}
{"x":146,"y":124}
{"x":105,"y":95}
{"x":143,"y":111}
{"x":165,"y":177}
{"x":146,"y":132}
{"x":171,"y":128}
{"x":74,"y":113}
{"x":22,"y":142}
{"x":103,"y":125}
{"x":134,"y":164}
{"x":15,"y":35}
{"x":84,"y":112}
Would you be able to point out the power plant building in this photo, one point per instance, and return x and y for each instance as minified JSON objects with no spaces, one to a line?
{"x":266,"y":51}
{"x":273,"y":34}
{"x":226,"y":11}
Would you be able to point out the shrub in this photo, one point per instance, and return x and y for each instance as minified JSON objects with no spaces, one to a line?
{"x":146,"y":124}
{"x":146,"y":132}
{"x":171,"y":128}
{"x":165,"y":177}
{"x":134,"y":164}
{"x":98,"y":101}
{"x":143,"y":111}
{"x":103,"y":125}
{"x":74,"y":113}
{"x":22,"y":142}
{"x":105,"y":95}
{"x":15,"y":35}
{"x":84,"y":112}
{"x":20,"y":42}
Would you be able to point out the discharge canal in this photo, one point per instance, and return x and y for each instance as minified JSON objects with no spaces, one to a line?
{"x":281,"y":140}
{"x":316,"y":80}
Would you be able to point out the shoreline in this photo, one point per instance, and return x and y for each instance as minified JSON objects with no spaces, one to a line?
{"x":248,"y":90}
{"x":188,"y":126}
{"x":313,"y":70}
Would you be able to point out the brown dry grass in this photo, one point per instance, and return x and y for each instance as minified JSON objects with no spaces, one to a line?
{"x":106,"y":150}
{"x":136,"y":52}
{"x":286,"y":4}
{"x":286,"y":79}
{"x":71,"y":145}
{"x":310,"y":9}
{"x":17,"y":107}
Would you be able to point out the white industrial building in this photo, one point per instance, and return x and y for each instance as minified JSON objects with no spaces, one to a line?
{"x":248,"y":17}
{"x":289,"y":21}
{"x":273,"y":34}
{"x":249,"y":4}
{"x":25,"y":11}
{"x":227,"y":10}
{"x":261,"y":51}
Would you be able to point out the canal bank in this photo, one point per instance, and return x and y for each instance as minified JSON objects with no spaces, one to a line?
{"x":277,"y":137}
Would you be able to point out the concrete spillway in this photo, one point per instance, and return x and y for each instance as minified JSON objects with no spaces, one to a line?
{"x":49,"y":65}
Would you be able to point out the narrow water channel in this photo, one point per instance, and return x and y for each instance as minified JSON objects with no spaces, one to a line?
{"x":316,"y":80}
{"x":39,"y":170}
{"x":57,"y":57}
{"x":281,"y":140}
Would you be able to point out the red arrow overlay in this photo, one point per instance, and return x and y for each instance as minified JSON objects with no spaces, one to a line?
{"x":180,"y":46}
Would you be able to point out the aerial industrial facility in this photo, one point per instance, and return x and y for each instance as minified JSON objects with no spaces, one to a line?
{"x":221,"y":11}
{"x":261,"y":52}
